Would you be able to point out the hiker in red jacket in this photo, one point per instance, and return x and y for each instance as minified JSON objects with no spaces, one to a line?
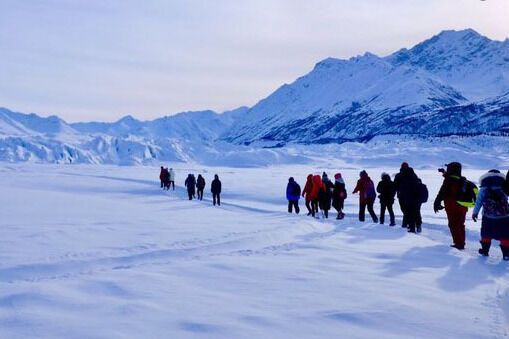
{"x":455,"y":212}
{"x":162,"y":177}
{"x":317,"y":184}
{"x":367,"y":195}
{"x":308,"y":188}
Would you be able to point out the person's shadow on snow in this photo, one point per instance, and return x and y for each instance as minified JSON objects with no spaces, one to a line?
{"x":462,"y":274}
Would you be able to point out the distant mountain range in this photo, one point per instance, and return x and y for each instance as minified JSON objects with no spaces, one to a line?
{"x":456,"y":83}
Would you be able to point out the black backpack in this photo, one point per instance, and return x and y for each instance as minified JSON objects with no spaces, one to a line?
{"x":467,"y":193}
{"x":423,"y":193}
{"x":295,"y":189}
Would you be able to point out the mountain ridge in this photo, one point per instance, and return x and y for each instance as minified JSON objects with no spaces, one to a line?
{"x":455,"y":83}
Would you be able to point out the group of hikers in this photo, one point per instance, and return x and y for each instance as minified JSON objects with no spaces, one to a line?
{"x":167,"y":178}
{"x":194,"y":186}
{"x":456,"y":193}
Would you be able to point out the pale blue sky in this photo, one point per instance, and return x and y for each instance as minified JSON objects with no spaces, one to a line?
{"x":100,"y":60}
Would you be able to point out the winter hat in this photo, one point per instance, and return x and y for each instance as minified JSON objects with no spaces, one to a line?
{"x":385,"y":175}
{"x":454,"y":168}
{"x":337,"y":176}
{"x":291,"y":179}
{"x":363,"y":174}
{"x":404,"y":164}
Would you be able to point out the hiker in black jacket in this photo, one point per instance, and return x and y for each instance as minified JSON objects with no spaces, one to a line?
{"x":200,"y":186}
{"x":406,"y":184}
{"x":387,"y":192}
{"x":215,"y":188}
{"x":190,"y":183}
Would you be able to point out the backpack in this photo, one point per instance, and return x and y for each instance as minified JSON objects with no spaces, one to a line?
{"x":370,"y":192}
{"x":467,"y":193}
{"x":495,"y":203}
{"x":295,"y":189}
{"x":423,"y":193}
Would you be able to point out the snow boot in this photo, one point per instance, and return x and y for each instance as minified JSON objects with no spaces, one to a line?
{"x":505,"y":252}
{"x":419,"y":229}
{"x":392,"y":224}
{"x":485,"y":248}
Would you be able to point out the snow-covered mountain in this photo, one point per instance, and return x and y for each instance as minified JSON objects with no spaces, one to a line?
{"x":456,"y":83}
{"x":25,"y":137}
{"x":471,"y":63}
{"x":365,"y":96}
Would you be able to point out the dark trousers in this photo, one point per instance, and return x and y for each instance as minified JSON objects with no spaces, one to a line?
{"x":362,"y":210}
{"x":162,"y":183}
{"x":294,"y":204}
{"x":410,"y":212}
{"x":216,"y":198}
{"x":171,"y":183}
{"x":190,"y":194}
{"x":200,"y":193}
{"x":383,"y":207}
{"x":314,"y":207}
{"x":308,"y":206}
{"x":418,"y":217}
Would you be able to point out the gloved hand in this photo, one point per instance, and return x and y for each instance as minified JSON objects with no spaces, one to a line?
{"x":474,"y":217}
{"x":437,"y":206}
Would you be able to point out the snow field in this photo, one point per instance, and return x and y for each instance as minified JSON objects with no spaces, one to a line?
{"x":101,"y":252}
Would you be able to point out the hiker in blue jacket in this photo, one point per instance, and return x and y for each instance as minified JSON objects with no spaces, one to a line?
{"x":293,"y":195}
{"x":495,"y":219}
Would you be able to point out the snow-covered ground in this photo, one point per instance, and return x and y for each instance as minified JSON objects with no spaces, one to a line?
{"x":101,"y":252}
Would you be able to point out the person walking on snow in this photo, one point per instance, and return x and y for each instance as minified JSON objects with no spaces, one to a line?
{"x":339,"y":195}
{"x":495,"y":219}
{"x":200,"y":186}
{"x":326,"y":181}
{"x":367,"y":195}
{"x":406,"y":185}
{"x":215,"y":189}
{"x":293,"y":195}
{"x":456,"y":213}
{"x":387,"y":192}
{"x":324,"y":197}
{"x":306,"y":193}
{"x":317,"y":184}
{"x":171,"y":178}
{"x":166,"y":179}
{"x":161,"y":176}
{"x":190,"y":183}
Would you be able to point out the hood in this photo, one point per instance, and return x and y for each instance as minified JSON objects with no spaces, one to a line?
{"x":491,"y":179}
{"x":317,"y":180}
